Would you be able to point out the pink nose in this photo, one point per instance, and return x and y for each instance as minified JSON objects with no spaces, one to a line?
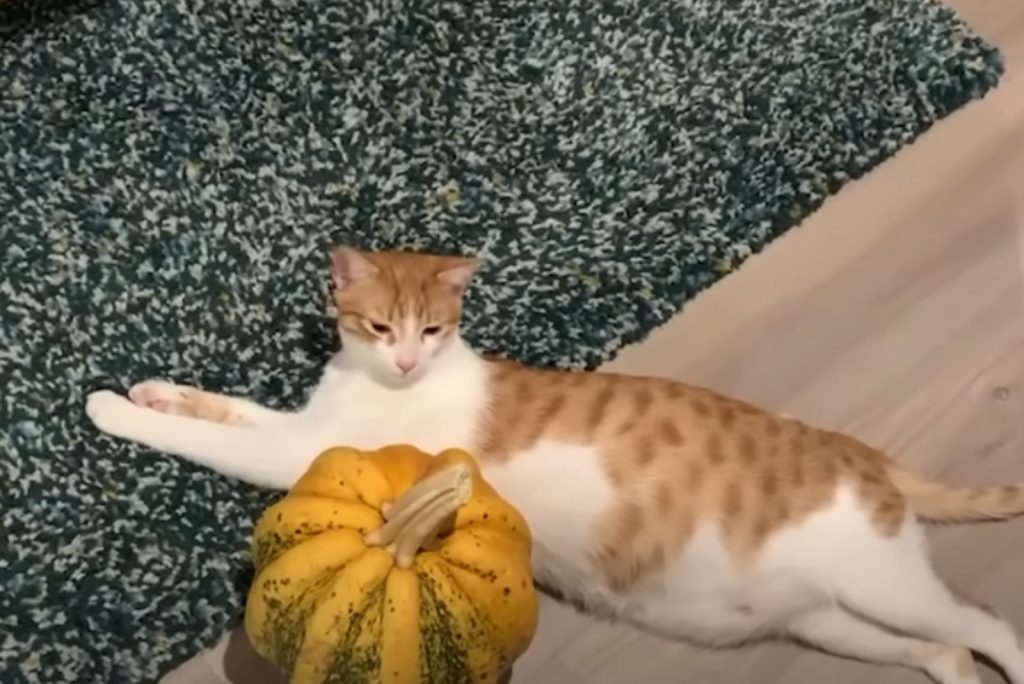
{"x":405,"y":365}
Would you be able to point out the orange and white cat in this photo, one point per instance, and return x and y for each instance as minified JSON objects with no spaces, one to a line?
{"x":662,"y":504}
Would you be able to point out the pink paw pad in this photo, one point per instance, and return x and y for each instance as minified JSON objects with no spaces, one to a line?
{"x":159,"y":396}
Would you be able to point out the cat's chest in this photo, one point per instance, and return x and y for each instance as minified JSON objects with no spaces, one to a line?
{"x":433,"y":415}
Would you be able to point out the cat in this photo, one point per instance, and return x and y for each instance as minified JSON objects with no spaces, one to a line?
{"x":664,"y":505}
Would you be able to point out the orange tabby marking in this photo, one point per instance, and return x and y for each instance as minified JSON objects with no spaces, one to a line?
{"x":680,"y":454}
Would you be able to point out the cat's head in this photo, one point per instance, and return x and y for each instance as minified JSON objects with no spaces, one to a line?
{"x":398,"y":310}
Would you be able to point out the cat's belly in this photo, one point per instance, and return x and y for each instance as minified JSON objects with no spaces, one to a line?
{"x":705,"y":595}
{"x":701,"y":595}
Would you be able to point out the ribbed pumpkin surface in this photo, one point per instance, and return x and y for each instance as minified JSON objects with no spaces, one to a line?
{"x":344,"y":594}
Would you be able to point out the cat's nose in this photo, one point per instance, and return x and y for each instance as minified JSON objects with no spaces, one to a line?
{"x":405,"y":365}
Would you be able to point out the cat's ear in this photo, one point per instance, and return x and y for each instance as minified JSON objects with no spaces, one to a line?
{"x":458,"y":276}
{"x":349,"y":265}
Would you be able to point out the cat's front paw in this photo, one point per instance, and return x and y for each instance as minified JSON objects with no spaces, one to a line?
{"x":181,"y":400}
{"x":110,"y":412}
{"x":164,"y":397}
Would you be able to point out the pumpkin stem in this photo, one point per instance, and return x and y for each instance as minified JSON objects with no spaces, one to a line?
{"x":417,"y":516}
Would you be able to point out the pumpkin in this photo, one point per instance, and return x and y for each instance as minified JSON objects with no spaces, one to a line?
{"x":391,"y":567}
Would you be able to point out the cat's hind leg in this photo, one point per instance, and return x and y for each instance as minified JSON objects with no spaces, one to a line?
{"x":902,"y":592}
{"x":887,"y":578}
{"x":182,"y":400}
{"x":841,"y":633}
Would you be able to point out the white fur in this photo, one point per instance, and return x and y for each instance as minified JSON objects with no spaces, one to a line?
{"x":353,"y":408}
{"x":561,"y":524}
{"x":725,"y":604}
{"x":833,"y":580}
{"x":350,"y":406}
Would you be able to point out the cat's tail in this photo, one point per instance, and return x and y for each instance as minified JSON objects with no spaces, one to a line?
{"x":938,"y":502}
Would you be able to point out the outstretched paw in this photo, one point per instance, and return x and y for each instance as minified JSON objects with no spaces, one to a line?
{"x":110,"y":412}
{"x":161,"y":396}
{"x":181,"y":400}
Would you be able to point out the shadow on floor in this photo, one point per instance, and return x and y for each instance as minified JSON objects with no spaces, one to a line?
{"x":243,"y":665}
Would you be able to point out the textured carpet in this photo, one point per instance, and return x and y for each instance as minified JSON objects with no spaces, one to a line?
{"x":172,"y":173}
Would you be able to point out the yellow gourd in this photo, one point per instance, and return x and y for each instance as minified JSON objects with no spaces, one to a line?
{"x":391,"y":567}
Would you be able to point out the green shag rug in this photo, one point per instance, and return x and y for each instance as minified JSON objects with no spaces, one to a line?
{"x":173,"y":172}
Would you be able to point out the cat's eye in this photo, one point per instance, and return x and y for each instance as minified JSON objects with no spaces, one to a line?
{"x":431,"y":330}
{"x":380,"y":328}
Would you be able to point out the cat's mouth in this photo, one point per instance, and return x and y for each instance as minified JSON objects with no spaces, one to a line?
{"x":398,"y":380}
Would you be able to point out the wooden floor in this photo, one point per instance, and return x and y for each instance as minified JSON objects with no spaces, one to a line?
{"x":896,"y":314}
